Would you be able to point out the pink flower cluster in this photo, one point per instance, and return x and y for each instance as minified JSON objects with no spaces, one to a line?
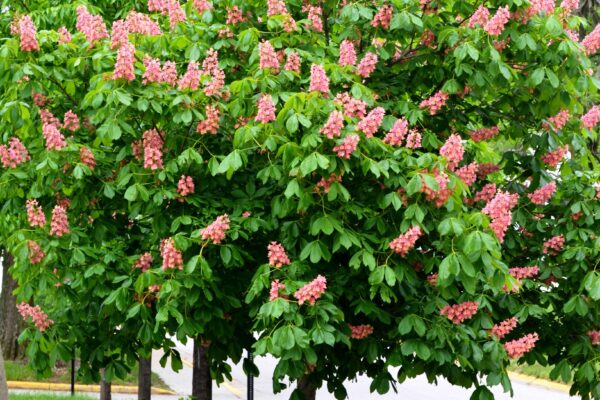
{"x":137,"y":22}
{"x":48,"y":118}
{"x":499,"y":210}
{"x":406,"y":241}
{"x":495,"y":25}
{"x":443,"y":193}
{"x":413,"y":140}
{"x":144,"y":262}
{"x":542,"y":195}
{"x":170,"y":8}
{"x":277,"y":256}
{"x":266,"y":109}
{"x":370,"y":124}
{"x":35,"y":214}
{"x":347,"y":147}
{"x":276,"y":7}
{"x":36,"y":254}
{"x":234,"y":15}
{"x":487,"y":168}
{"x":352,"y":107}
{"x":59,"y":224}
{"x":468,"y":173}
{"x":539,"y":6}
{"x":275,"y":288}
{"x":38,"y":317}
{"x":554,"y":245}
{"x":517,"y":348}
{"x":124,"y":67}
{"x":268,"y":58}
{"x":569,"y":6}
{"x":435,"y":102}
{"x":39,"y":99}
{"x":319,"y":82}
{"x":479,"y":17}
{"x":201,"y":6}
{"x":87,"y":157}
{"x":27,"y":31}
{"x":154,"y":72}
{"x":185,"y":186}
{"x":347,"y":53}
{"x":554,"y":157}
{"x":486,"y":193}
{"x":453,"y":150}
{"x":558,"y":121}
{"x":367,"y":64}
{"x":216,"y":230}
{"x":598,"y":192}
{"x":334,"y":125}
{"x":312,"y":291}
{"x":71,"y":121}
{"x":396,"y":135}
{"x":54,"y":139}
{"x":360,"y":331}
{"x":504,"y":328}
{"x":591,"y":118}
{"x":591,"y":42}
{"x":594,"y":337}
{"x":315,"y":15}
{"x":211,"y":123}
{"x":153,"y":144}
{"x":432,"y":279}
{"x":172,"y":258}
{"x":458,"y":313}
{"x":484,"y":133}
{"x":524,"y":272}
{"x":191,"y":78}
{"x":383,"y":17}
{"x":92,"y":26}
{"x":326,"y":183}
{"x":14,"y":154}
{"x":293,"y":62}
{"x":64,"y":36}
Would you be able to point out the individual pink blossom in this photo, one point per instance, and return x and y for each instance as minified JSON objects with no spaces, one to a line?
{"x":481,"y":134}
{"x":486,"y":193}
{"x":54,"y":139}
{"x":352,"y":107}
{"x":319,"y":82}
{"x":333,"y":126}
{"x":59,"y":225}
{"x":591,"y":118}
{"x":312,"y":291}
{"x":172,"y":258}
{"x":542,"y":195}
{"x":504,"y":328}
{"x":216,"y":230}
{"x":359,"y":332}
{"x":191,"y":78}
{"x":38,"y":317}
{"x":92,"y":26}
{"x":367,"y":64}
{"x":554,"y":245}
{"x":524,"y":272}
{"x":64,"y":36}
{"x":594,"y":337}
{"x":14,"y":154}
{"x":211,"y":123}
{"x":144,"y":262}
{"x":347,"y":147}
{"x":185,"y":186}
{"x":276,"y":7}
{"x":276,"y":287}
{"x":325,"y":184}
{"x":371,"y":123}
{"x":71,"y":121}
{"x":591,"y":42}
{"x":480,"y":17}
{"x":468,"y":173}
{"x":277,"y":256}
{"x":406,"y":241}
{"x":553,"y":158}
{"x":153,"y":145}
{"x":27,"y":32}
{"x":266,"y":109}
{"x":396,"y":135}
{"x":202,"y":5}
{"x":268,"y":58}
{"x":87,"y":157}
{"x":453,"y":150}
{"x":347,"y":53}
{"x":435,"y":102}
{"x":413,"y":140}
{"x":36,"y":254}
{"x":517,"y":348}
{"x":383,"y":17}
{"x":495,"y":25}
{"x":459,"y":313}
{"x":293,"y":62}
{"x":558,"y":121}
{"x":35,"y":214}
{"x":499,"y":210}
{"x":124,"y":67}
{"x":315,"y":15}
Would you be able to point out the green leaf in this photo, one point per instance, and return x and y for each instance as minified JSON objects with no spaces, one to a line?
{"x":292,"y":123}
{"x":450,"y":266}
{"x":131,"y":193}
{"x":537,"y":77}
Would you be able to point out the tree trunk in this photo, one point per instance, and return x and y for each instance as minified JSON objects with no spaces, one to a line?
{"x":145,"y":378}
{"x":105,"y":389}
{"x":10,"y":320}
{"x":308,"y":390}
{"x":201,"y":379}
{"x":3,"y":386}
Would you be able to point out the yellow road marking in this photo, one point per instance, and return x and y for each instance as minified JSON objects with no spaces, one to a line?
{"x":235,"y":391}
{"x":538,"y":381}
{"x":65,"y":387}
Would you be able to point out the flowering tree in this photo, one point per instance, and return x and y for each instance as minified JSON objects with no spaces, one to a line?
{"x":409,"y":185}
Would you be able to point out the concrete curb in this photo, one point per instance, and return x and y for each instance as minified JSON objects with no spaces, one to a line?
{"x":532,"y":380}
{"x":65,"y":387}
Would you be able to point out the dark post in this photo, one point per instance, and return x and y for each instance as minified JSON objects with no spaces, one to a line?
{"x":73,"y":375}
{"x":250,"y":388}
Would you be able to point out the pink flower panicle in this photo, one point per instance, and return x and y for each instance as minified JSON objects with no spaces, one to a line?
{"x":119,"y":35}
{"x":333,"y":126}
{"x":202,"y":5}
{"x":124,"y":68}
{"x":266,"y":109}
{"x":459,"y":313}
{"x":39,"y":99}
{"x":71,"y":121}
{"x":59,"y":225}
{"x":499,"y":210}
{"x":413,"y":140}
{"x":144,"y":262}
{"x":486,"y":193}
{"x":594,"y":337}
{"x":406,"y":241}
{"x":211,"y":123}
{"x":553,"y":158}
{"x":481,"y":134}
{"x":367,"y":64}
{"x":383,"y":17}
{"x":234,"y":15}
{"x":432,"y":279}
{"x":504,"y":328}
{"x":554,"y":245}
{"x":64,"y":36}
{"x":360,"y":331}
{"x":92,"y":26}
{"x":435,"y":102}
{"x":27,"y":32}
{"x":153,"y":72}
{"x":479,"y":17}
{"x":539,"y":6}
{"x":185,"y":186}
{"x":275,"y":288}
{"x":172,"y":258}
{"x":36,"y":254}
{"x":39,"y":318}
{"x":591,"y":118}
{"x":347,"y":53}
{"x":542,"y":195}
{"x":293,"y":62}
{"x":169,"y":73}
{"x":312,"y":291}
{"x":453,"y":150}
{"x":591,"y":42}
{"x":277,"y":256}
{"x":289,"y":24}
{"x":216,"y":230}
{"x":558,"y":121}
{"x":319,"y":82}
{"x":35,"y":214}
{"x":517,"y":348}
{"x":486,"y":169}
{"x":86,"y":156}
{"x":468,"y":173}
{"x":524,"y":272}
{"x":142,"y":24}
{"x":48,"y":118}
{"x":370,"y":124}
{"x":443,"y":193}
{"x":191,"y":79}
{"x":14,"y":154}
{"x":315,"y":17}
{"x":152,"y":143}
{"x":325,"y":184}
{"x":54,"y":139}
{"x":268,"y":58}
{"x":347,"y":147}
{"x":568,"y":6}
{"x":396,"y":135}
{"x":495,"y":25}
{"x":276,"y":7}
{"x":352,"y":107}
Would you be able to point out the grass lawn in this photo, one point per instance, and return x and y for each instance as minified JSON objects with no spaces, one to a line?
{"x":27,"y":396}
{"x":20,"y":371}
{"x":535,"y":370}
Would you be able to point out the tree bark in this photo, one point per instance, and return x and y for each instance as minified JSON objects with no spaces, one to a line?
{"x":308,"y":390}
{"x":105,"y":389}
{"x":3,"y":386}
{"x":10,"y":320}
{"x":145,"y":378}
{"x":201,"y":379}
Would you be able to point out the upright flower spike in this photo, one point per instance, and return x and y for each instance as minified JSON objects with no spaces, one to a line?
{"x":459,"y":313}
{"x":152,"y":143}
{"x":276,"y":287}
{"x":64,"y":36}
{"x":211,"y":123}
{"x":276,"y":7}
{"x":480,"y":17}
{"x":71,"y":121}
{"x":383,"y":17}
{"x":191,"y":79}
{"x":591,"y":42}
{"x":435,"y":102}
{"x":124,"y":68}
{"x":397,"y":134}
{"x":482,"y":134}
{"x":312,"y":291}
{"x":293,"y":63}
{"x":554,"y":245}
{"x":504,"y":328}
{"x":54,"y":139}
{"x":542,"y":195}
{"x":406,"y":241}
{"x":268,"y":58}
{"x":367,"y":65}
{"x":27,"y":32}
{"x":495,"y":26}
{"x":347,"y":147}
{"x":36,"y":254}
{"x":86,"y":156}
{"x":38,"y":317}
{"x":185,"y":186}
{"x":315,"y":16}
{"x":553,"y":158}
{"x":468,"y":173}
{"x":591,"y":118}
{"x":35,"y":214}
{"x":59,"y":225}
{"x":499,"y":210}
{"x":319,"y":82}
{"x":202,"y":6}
{"x":359,"y":332}
{"x":266,"y":109}
{"x":558,"y":121}
{"x":216,"y":230}
{"x":14,"y":154}
{"x":92,"y":26}
{"x":333,"y":126}
{"x":347,"y":53}
{"x":371,"y":123}
{"x":144,"y":262}
{"x":277,"y":256}
{"x":453,"y":151}
{"x":172,"y":258}
{"x":517,"y":348}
